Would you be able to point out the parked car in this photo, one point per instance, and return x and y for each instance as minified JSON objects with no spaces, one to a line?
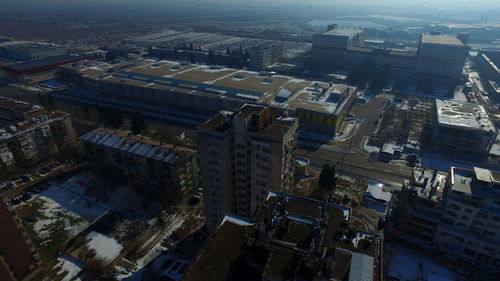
{"x":8,"y":186}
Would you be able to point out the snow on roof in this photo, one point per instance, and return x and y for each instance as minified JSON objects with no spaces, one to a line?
{"x":375,"y":190}
{"x":236,"y":220}
{"x":105,"y":247}
{"x":463,"y":114}
{"x":389,"y":148}
{"x":441,"y":39}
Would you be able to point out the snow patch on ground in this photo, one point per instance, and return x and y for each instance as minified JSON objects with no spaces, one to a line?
{"x":105,"y":247}
{"x":408,"y":265}
{"x":71,"y":267}
{"x":51,"y":212}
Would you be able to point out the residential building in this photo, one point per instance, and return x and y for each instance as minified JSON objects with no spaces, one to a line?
{"x":463,"y":126}
{"x":440,"y":59}
{"x":289,"y":238}
{"x":421,"y":204}
{"x":244,"y":155}
{"x":31,"y":135}
{"x":470,"y":227}
{"x":265,"y":55}
{"x":18,"y":259}
{"x":455,"y":212}
{"x":164,"y":171}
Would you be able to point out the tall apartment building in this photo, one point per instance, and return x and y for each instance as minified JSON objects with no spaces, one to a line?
{"x":470,"y":227}
{"x":265,"y":55}
{"x":30,"y":135}
{"x":18,"y":259}
{"x":162,"y":170}
{"x":441,"y":59}
{"x":456,"y":212}
{"x":244,"y":155}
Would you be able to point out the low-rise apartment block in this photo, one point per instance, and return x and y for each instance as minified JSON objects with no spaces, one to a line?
{"x":244,"y":155}
{"x":30,"y":135}
{"x":151,"y":167}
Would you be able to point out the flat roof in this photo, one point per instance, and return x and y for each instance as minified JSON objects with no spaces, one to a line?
{"x":44,"y":62}
{"x":349,"y":32}
{"x":441,"y":39}
{"x":463,"y":114}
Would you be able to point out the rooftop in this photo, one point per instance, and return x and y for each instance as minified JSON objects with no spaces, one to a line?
{"x":225,"y":83}
{"x":466,"y":180}
{"x":10,"y":128}
{"x":463,"y":114}
{"x":22,"y":66}
{"x":263,"y":120}
{"x":428,"y":183}
{"x":141,"y":146}
{"x":441,"y":39}
{"x":349,"y":32}
{"x":17,"y":105}
{"x":320,"y":97}
{"x":285,"y":239}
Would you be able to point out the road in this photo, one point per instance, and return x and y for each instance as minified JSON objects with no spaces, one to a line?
{"x":356,"y":160}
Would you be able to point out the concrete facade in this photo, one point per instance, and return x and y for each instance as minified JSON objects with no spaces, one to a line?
{"x":164,"y":171}
{"x":265,"y":55}
{"x":463,"y":126}
{"x":456,"y":212}
{"x":26,"y":143}
{"x":243,"y":156}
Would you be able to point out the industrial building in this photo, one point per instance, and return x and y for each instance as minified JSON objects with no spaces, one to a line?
{"x":289,"y":238}
{"x":33,"y":71}
{"x":489,"y":67}
{"x":331,"y":47}
{"x":190,"y":94}
{"x":153,"y":168}
{"x":455,"y":212}
{"x":439,"y":59}
{"x":265,"y":55}
{"x":27,"y":51}
{"x":217,"y":43}
{"x":464,"y":127}
{"x":244,"y":155}
{"x":30,"y":135}
{"x":18,"y":259}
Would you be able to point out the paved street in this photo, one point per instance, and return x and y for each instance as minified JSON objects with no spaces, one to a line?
{"x":356,"y":163}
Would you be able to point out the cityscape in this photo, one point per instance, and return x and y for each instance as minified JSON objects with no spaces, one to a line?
{"x":272,"y":140}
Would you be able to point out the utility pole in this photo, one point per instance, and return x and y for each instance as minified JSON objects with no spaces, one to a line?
{"x":344,"y":156}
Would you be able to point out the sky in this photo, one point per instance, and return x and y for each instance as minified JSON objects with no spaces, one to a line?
{"x":434,"y":3}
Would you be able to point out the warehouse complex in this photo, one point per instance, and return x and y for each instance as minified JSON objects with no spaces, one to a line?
{"x":190,"y":94}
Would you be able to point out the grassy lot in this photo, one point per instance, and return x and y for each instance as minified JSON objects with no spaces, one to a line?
{"x":48,"y":247}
